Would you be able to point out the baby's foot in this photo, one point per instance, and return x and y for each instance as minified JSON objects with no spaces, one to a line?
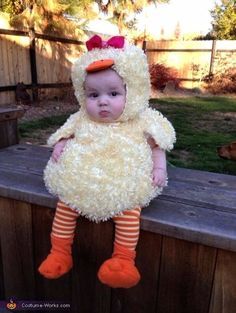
{"x":119,"y":273}
{"x":55,"y":265}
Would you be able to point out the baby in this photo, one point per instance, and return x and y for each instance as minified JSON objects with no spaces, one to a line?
{"x":108,"y":159}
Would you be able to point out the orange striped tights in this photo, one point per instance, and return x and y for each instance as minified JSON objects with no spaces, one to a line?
{"x":119,"y":271}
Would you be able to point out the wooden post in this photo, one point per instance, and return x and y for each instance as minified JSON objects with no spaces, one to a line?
{"x":213,"y":52}
{"x":33,"y":66}
{"x":8,"y":126}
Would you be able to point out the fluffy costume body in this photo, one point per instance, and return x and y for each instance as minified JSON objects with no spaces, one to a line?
{"x":107,"y":167}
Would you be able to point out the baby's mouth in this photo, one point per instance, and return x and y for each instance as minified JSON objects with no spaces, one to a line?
{"x":104,"y":113}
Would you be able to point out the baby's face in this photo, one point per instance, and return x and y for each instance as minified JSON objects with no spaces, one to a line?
{"x":105,"y":96}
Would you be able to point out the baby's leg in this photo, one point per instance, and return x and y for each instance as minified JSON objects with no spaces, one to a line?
{"x":120,"y":270}
{"x":59,"y":261}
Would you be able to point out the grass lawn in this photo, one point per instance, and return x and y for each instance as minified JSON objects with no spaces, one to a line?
{"x":201,"y":123}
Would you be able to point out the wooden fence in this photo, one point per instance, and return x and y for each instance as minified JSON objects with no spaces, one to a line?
{"x":41,"y":62}
{"x":193,"y":59}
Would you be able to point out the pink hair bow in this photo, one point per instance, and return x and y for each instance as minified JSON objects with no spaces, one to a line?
{"x":97,"y":42}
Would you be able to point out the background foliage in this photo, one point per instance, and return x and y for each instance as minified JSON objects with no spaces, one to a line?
{"x":224,"y":20}
{"x":71,"y":16}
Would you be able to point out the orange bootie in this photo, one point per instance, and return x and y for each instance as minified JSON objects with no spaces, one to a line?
{"x":59,"y":261}
{"x":120,"y":271}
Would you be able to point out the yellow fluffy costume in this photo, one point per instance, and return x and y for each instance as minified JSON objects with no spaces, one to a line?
{"x":106,"y":168}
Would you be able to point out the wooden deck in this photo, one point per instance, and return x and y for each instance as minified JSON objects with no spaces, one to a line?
{"x":186,"y":253}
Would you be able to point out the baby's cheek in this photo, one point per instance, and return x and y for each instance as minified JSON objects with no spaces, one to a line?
{"x":90,"y":108}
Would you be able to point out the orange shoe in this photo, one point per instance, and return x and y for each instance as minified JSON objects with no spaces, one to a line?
{"x":59,"y":261}
{"x":120,"y":271}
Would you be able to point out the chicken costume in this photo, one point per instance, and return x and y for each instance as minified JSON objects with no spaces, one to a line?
{"x":106,"y":168}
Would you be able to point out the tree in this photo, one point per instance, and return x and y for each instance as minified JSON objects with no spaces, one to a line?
{"x":224,"y":20}
{"x":49,"y":15}
{"x":46,"y":16}
{"x":122,"y":10}
{"x":85,"y":9}
{"x":177,"y":32}
{"x":16,"y":7}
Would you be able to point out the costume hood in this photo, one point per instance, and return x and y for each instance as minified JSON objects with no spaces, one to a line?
{"x":130,"y":63}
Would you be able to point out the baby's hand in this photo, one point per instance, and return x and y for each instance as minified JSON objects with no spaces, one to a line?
{"x":58,"y":149}
{"x":159,"y":176}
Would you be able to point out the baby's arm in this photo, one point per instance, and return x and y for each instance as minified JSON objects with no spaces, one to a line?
{"x":59,"y":148}
{"x":59,"y":139}
{"x":65,"y":131}
{"x":159,"y":172}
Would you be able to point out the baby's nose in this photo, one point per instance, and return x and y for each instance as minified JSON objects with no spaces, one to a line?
{"x":103,"y":101}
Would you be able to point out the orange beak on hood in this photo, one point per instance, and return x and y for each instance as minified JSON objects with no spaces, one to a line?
{"x":99,"y":65}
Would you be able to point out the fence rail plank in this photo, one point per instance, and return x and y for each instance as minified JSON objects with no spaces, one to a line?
{"x":17,"y":244}
{"x":223,"y":298}
{"x":196,"y":265}
{"x":13,"y":32}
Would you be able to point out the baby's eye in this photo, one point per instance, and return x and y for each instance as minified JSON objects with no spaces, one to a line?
{"x":114,"y":93}
{"x":93,"y":95}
